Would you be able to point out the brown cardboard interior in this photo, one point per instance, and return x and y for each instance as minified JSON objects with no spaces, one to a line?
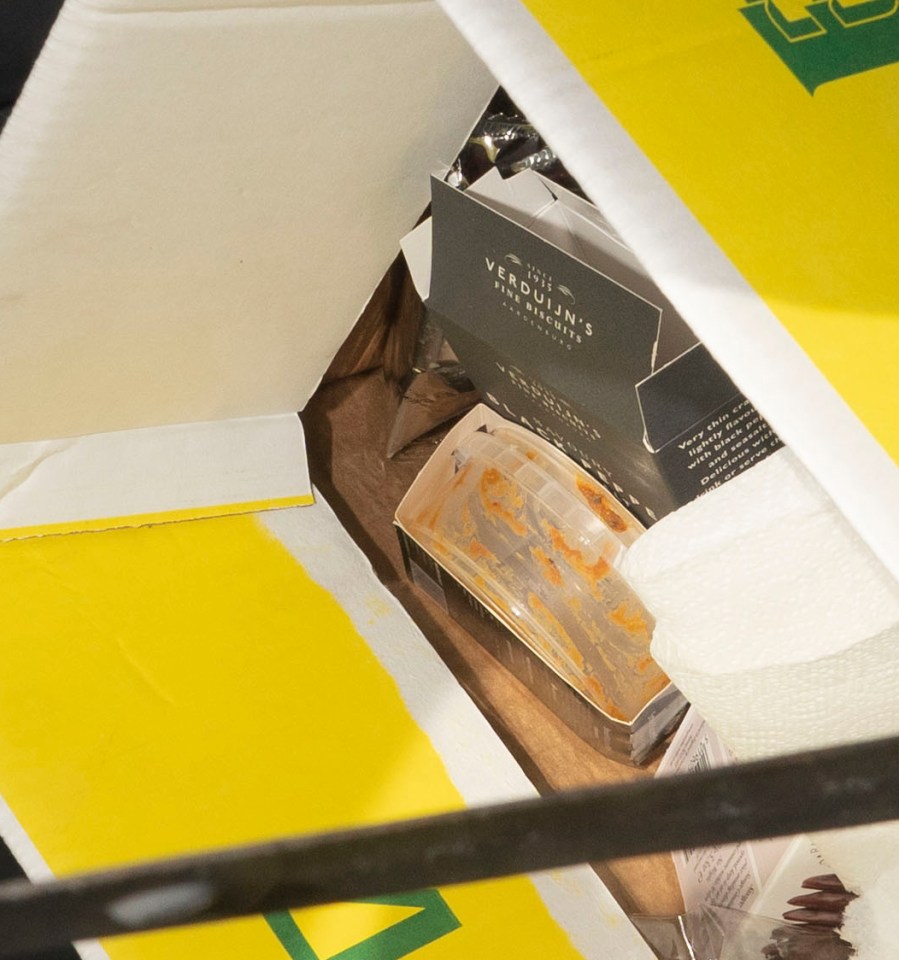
{"x":347,"y":424}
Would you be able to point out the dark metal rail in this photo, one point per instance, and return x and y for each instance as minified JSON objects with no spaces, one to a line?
{"x":838,"y":787}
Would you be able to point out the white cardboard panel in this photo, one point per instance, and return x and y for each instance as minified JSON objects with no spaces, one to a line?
{"x":196,"y":201}
{"x":157,"y":474}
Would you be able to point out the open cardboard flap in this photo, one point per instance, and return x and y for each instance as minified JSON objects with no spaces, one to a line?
{"x":154,"y":475}
{"x":758,"y":225}
{"x":196,"y":202}
{"x":243,"y":678}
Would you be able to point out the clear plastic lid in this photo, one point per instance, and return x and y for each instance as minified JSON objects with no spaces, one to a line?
{"x":571,"y":477}
{"x":511,"y":526}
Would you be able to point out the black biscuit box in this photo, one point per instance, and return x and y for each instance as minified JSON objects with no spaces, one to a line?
{"x":561,"y":329}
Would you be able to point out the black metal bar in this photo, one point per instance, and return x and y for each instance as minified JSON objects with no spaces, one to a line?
{"x":838,"y":787}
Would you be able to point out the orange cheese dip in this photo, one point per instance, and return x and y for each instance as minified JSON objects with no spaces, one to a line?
{"x":548,"y":567}
{"x":494,"y":488}
{"x":575,"y":558}
{"x":477,"y":551}
{"x":551,"y":623}
{"x":598,"y":693}
{"x":630,"y":620}
{"x":491,"y":597}
{"x":600,"y":504}
{"x":644,"y":663}
{"x":655,"y":685}
{"x":468,"y":526}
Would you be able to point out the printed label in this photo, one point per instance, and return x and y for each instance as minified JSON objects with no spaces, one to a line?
{"x":433,"y":921}
{"x":827,"y":40}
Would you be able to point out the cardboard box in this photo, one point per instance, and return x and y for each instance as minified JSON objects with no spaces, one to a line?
{"x":630,"y":742}
{"x":180,"y":246}
{"x":197,"y":201}
{"x":136,"y":308}
{"x":561,"y":329}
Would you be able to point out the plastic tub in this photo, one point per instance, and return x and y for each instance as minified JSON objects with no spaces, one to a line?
{"x":518,"y":530}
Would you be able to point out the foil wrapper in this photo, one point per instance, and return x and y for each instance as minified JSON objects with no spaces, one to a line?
{"x":433,"y":385}
{"x":723,"y":933}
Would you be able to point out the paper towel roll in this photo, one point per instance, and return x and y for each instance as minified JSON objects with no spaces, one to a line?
{"x":776,"y":620}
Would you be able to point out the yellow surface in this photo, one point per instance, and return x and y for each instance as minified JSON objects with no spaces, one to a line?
{"x":339,"y":926}
{"x":147,"y":519}
{"x":798,"y":188}
{"x":180,"y":687}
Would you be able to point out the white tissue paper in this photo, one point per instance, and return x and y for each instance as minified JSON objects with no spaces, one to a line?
{"x":779,"y":624}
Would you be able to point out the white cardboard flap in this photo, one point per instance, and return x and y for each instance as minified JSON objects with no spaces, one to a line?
{"x":730,"y":317}
{"x":156,"y":475}
{"x":196,"y":203}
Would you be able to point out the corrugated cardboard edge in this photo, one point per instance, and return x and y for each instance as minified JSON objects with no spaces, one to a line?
{"x":156,"y":475}
{"x":479,"y":765}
